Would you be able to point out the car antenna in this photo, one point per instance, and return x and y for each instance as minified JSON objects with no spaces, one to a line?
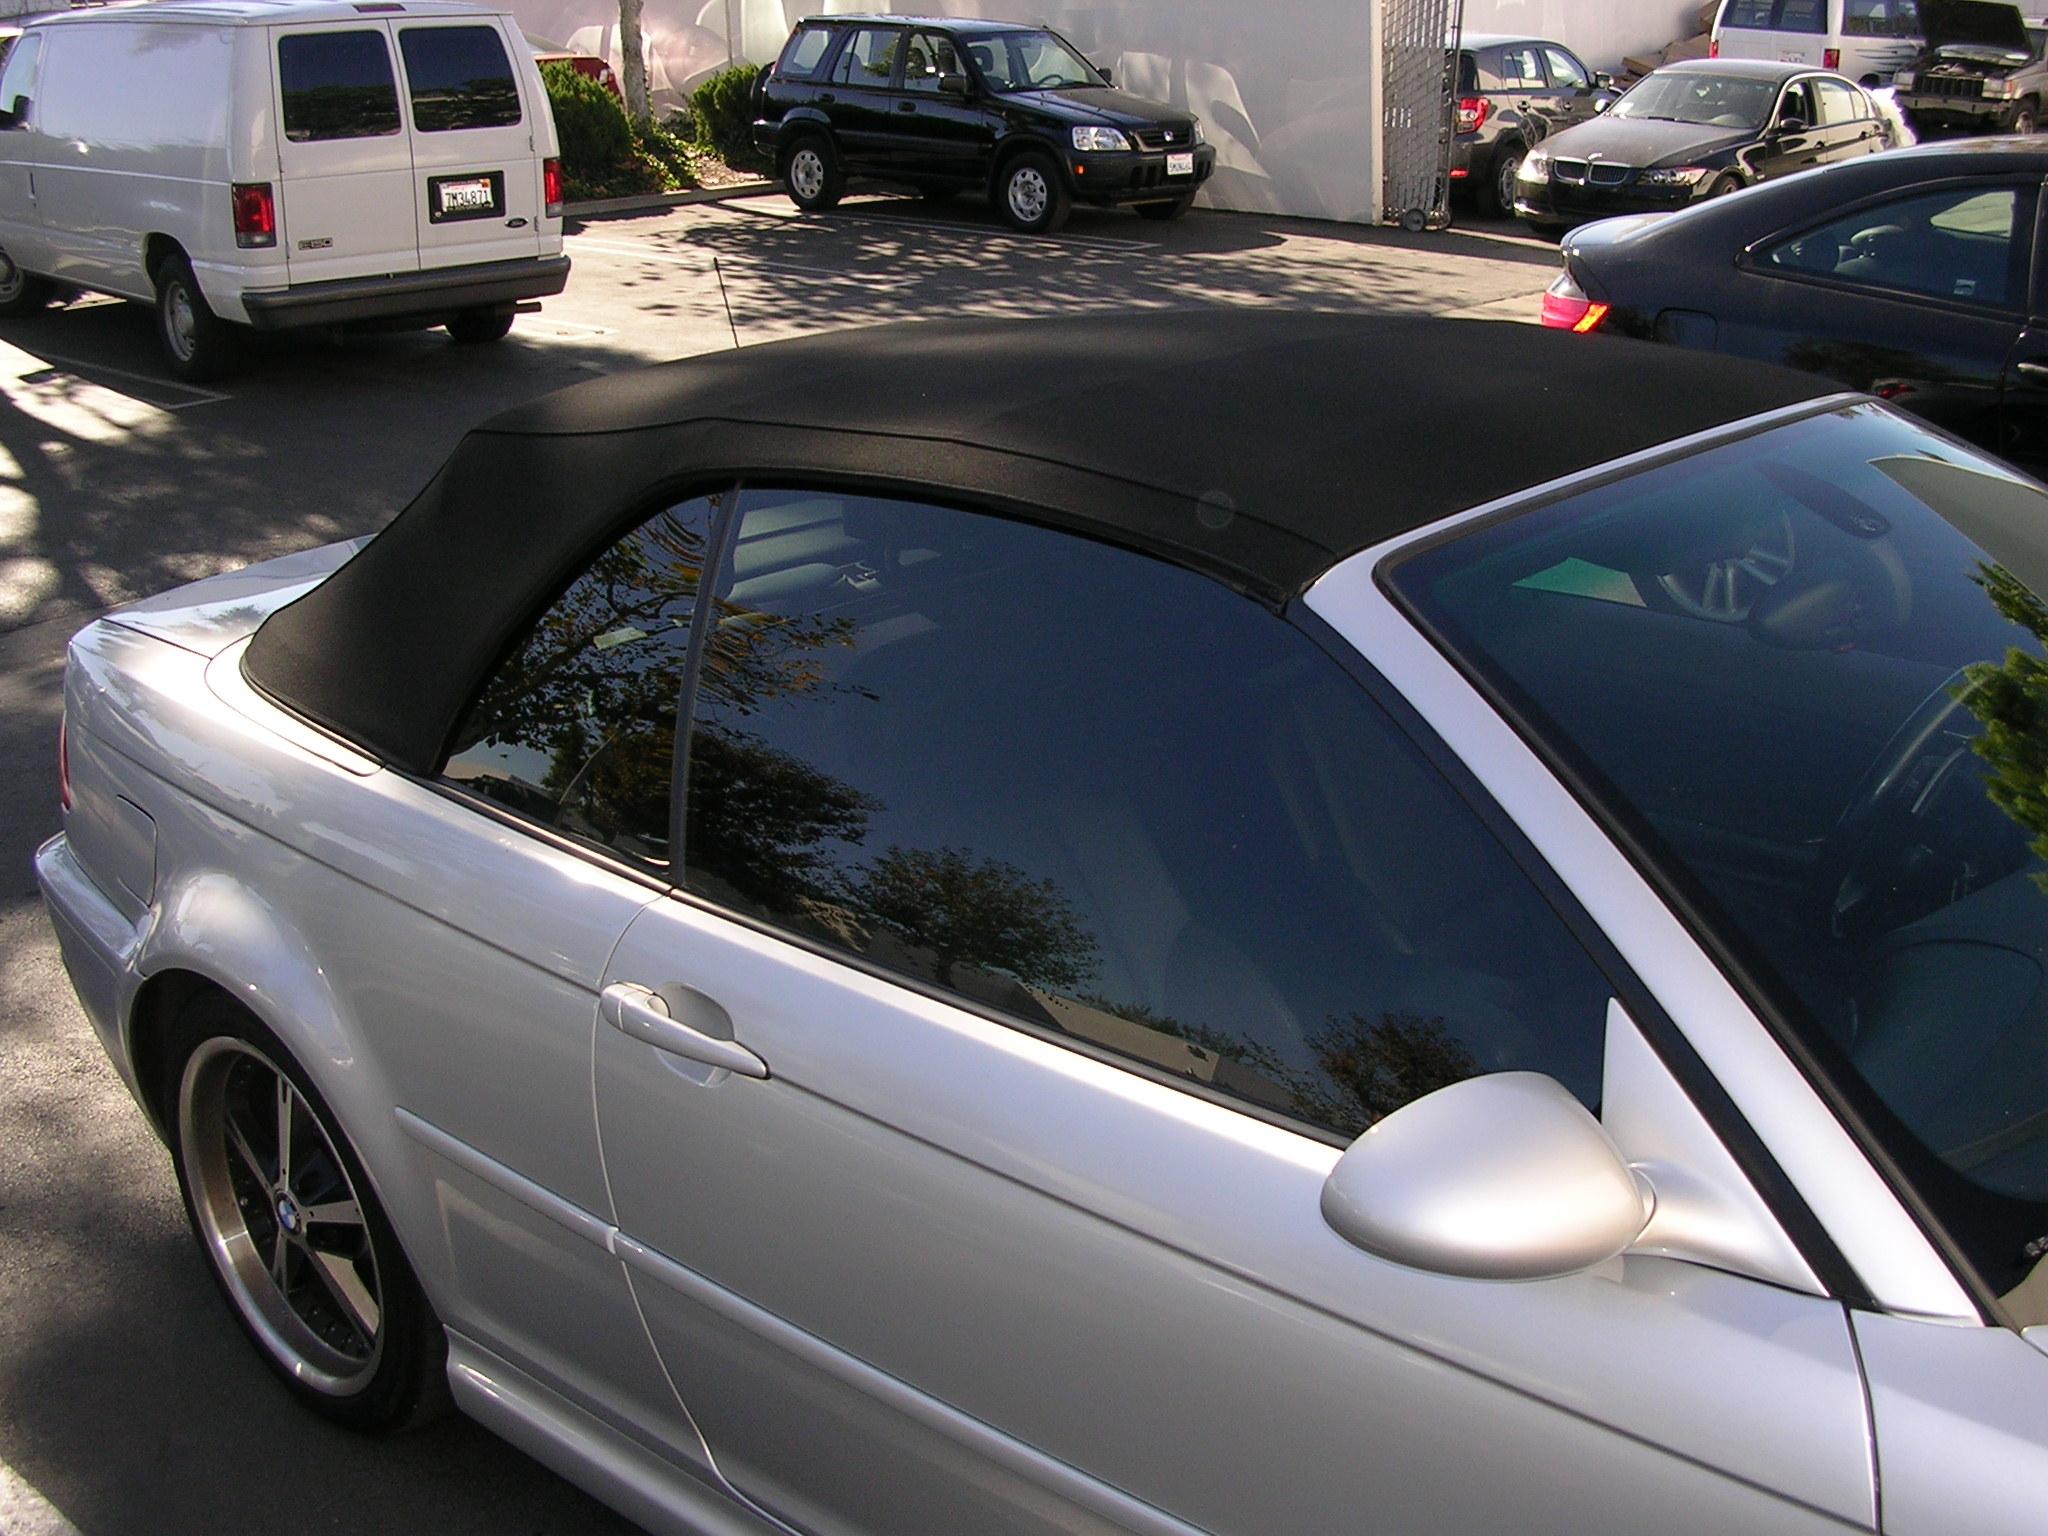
{"x":718,"y":272}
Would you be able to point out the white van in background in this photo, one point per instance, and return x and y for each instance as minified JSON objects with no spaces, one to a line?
{"x":278,"y":164}
{"x":1867,"y":40}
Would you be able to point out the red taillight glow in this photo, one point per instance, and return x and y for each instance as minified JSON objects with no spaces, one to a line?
{"x":63,"y":768}
{"x":551,"y":187}
{"x":1831,"y":58}
{"x":255,"y":214}
{"x":1714,"y":48}
{"x":1566,"y":307}
{"x":1472,"y":112}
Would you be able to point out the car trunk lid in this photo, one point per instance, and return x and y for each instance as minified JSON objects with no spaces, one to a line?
{"x":206,"y":617}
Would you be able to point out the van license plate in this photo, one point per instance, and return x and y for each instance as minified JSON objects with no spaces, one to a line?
{"x":464,"y":197}
{"x":1180,"y":165}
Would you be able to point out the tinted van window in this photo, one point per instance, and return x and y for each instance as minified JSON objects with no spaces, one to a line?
{"x":17,"y":75}
{"x":576,"y":727}
{"x":459,"y":78}
{"x":336,"y":85}
{"x":1113,"y":800}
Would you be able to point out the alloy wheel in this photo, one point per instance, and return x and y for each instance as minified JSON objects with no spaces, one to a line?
{"x":280,"y":1217}
{"x":1504,"y":181}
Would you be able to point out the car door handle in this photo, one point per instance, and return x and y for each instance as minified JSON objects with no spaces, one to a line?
{"x":2033,"y":373}
{"x":826,"y":98}
{"x":641,"y":1013}
{"x":906,"y":106}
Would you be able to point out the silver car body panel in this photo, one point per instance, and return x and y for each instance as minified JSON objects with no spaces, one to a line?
{"x":1879,"y":1238}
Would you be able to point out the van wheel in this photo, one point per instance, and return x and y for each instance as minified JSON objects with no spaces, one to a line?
{"x":1031,"y":197}
{"x":1166,"y":213}
{"x":21,"y":293}
{"x":810,"y":173}
{"x":197,"y":342}
{"x":474,"y":327}
{"x":291,"y":1228}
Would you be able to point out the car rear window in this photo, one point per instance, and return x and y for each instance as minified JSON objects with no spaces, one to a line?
{"x":1805,"y":677}
{"x":459,"y":78}
{"x":336,"y":85}
{"x":804,"y":52}
{"x":1776,"y":15}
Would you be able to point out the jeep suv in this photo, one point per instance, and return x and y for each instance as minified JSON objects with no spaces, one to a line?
{"x":1012,"y":112}
{"x":1982,"y":70}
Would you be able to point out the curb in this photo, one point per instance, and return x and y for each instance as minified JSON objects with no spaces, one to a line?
{"x":647,"y":201}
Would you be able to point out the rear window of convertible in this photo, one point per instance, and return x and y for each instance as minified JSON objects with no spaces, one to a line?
{"x":1806,"y":674}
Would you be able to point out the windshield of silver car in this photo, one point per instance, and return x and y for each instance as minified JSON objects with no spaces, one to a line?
{"x":1805,"y":675}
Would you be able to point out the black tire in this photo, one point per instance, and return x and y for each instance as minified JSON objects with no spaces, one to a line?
{"x":811,"y":174}
{"x":1166,"y":213}
{"x":252,"y":1214}
{"x":1723,"y":184}
{"x":2027,"y":119}
{"x":1497,"y":192}
{"x":22,"y":293}
{"x":1030,"y":196}
{"x":476,"y":327}
{"x":197,"y":343}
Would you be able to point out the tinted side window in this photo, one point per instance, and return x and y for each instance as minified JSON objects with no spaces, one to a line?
{"x":1566,"y":73}
{"x":1521,"y":69}
{"x":1953,"y":244}
{"x":1754,"y":14}
{"x":931,"y":55}
{"x":20,"y":71}
{"x":1881,"y":18}
{"x":869,"y":59}
{"x":1112,"y":799}
{"x":1840,"y":103}
{"x":459,"y":78}
{"x":336,"y":85}
{"x":1802,"y":15}
{"x":804,"y":52}
{"x":576,"y":728}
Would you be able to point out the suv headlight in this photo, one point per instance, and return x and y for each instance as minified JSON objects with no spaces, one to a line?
{"x":1674,"y":176}
{"x":1100,"y":138}
{"x":2007,"y":88}
{"x":1200,"y":137}
{"x":1535,"y":167}
{"x":1903,"y":80}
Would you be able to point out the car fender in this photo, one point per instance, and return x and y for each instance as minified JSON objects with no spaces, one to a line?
{"x":1014,"y":141}
{"x":804,"y":117}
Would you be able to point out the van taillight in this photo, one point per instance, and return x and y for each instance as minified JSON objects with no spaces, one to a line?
{"x":255,"y":214}
{"x":63,"y":768}
{"x":551,"y":187}
{"x":1472,"y":112}
{"x":1714,"y":48}
{"x":1831,"y":58}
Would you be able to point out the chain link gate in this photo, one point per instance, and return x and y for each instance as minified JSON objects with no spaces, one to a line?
{"x":1418,"y":79}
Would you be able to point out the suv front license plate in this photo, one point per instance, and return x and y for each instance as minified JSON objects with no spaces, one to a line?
{"x":1180,"y":165}
{"x":464,"y":197}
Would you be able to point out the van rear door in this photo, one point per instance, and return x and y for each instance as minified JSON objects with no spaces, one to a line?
{"x":476,"y":161}
{"x":344,"y":158}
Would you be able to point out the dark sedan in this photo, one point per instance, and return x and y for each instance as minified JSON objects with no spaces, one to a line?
{"x":1915,"y":276}
{"x":1697,"y":131}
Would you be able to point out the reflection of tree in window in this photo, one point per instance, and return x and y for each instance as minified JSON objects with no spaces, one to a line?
{"x":2011,"y":699}
{"x":760,"y":823}
{"x":984,"y":913}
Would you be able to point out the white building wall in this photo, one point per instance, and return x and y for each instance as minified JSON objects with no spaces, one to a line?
{"x":1602,"y":32}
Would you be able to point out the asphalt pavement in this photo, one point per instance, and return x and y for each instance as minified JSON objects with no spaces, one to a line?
{"x":129,"y":1403}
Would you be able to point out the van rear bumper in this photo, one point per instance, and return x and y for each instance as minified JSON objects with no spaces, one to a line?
{"x":442,"y":293}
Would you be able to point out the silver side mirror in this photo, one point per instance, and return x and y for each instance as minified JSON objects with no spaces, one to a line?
{"x":1504,"y":1177}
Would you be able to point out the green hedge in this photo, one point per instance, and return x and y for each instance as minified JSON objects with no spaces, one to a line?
{"x":596,"y":139}
{"x":722,"y":113}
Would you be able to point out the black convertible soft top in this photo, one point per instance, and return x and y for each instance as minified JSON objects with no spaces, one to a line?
{"x":1259,"y":447}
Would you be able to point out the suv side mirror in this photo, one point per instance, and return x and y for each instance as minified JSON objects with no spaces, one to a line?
{"x":1790,"y":124}
{"x":953,"y":85}
{"x":1502,"y":1177}
{"x":1602,"y":80}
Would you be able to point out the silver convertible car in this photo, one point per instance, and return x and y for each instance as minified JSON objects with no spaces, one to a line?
{"x":1078,"y":927}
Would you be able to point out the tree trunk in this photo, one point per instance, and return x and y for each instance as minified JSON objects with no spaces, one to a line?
{"x":633,"y":60}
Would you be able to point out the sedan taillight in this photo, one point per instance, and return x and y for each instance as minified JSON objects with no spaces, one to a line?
{"x":551,"y":187}
{"x":255,"y":214}
{"x":1566,"y":307}
{"x":1472,"y":112}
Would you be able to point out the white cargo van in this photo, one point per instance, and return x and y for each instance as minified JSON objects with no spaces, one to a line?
{"x":1867,"y":40}
{"x":277,"y":164}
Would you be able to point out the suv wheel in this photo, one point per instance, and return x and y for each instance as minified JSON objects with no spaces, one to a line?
{"x":810,"y":172}
{"x":21,"y":293}
{"x":2027,"y":119}
{"x":1500,"y":186}
{"x":198,"y":344}
{"x":1031,"y":197}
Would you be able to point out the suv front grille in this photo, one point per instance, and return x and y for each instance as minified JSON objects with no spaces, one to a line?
{"x":1178,"y":136}
{"x":1950,"y":85}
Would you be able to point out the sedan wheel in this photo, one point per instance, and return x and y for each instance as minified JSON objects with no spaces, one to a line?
{"x":295,"y":1239}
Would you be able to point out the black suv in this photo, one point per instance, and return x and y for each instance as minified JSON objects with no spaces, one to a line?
{"x":1013,"y":112}
{"x":1514,"y":92}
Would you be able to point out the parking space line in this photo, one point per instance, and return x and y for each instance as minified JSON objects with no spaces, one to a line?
{"x":80,"y":368}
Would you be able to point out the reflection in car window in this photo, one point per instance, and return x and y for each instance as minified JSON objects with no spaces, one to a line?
{"x":1841,"y":103}
{"x":869,"y":59}
{"x":459,"y":77}
{"x":929,"y":57}
{"x":336,"y":85}
{"x":576,"y":728}
{"x":1953,"y":244}
{"x":805,"y":52}
{"x":1519,"y":68}
{"x":1694,"y":96}
{"x":1565,"y":72}
{"x":1115,"y":800}
{"x":1028,"y":61}
{"x":1822,"y":708}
